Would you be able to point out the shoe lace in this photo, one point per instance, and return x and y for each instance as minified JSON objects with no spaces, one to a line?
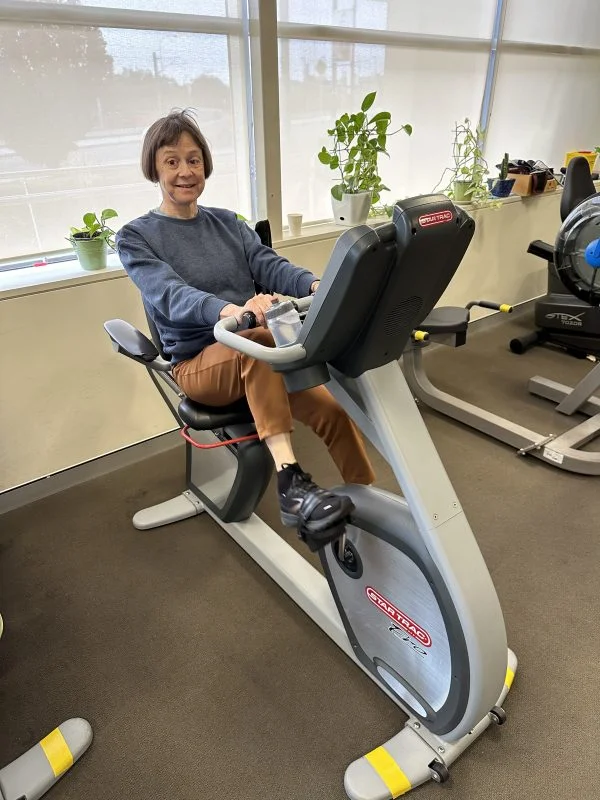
{"x":304,"y":482}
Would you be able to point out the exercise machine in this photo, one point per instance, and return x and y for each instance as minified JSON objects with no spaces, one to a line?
{"x":577,"y":262}
{"x":562,"y":317}
{"x":35,"y":772}
{"x":405,"y":591}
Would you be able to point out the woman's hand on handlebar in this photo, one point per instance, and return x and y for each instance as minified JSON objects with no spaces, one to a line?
{"x":258,"y":305}
{"x":232,"y":310}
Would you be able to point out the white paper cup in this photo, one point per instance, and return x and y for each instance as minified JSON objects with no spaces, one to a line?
{"x":295,"y":224}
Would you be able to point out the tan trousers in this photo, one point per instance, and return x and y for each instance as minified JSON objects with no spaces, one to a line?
{"x":218,"y":376}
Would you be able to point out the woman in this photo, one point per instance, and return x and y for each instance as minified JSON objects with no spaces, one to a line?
{"x":195,"y":265}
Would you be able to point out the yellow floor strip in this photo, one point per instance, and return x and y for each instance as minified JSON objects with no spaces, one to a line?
{"x":57,"y":752}
{"x":390,"y":773}
{"x":510,"y":676}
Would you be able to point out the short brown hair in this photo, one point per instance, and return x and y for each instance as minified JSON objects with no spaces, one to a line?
{"x":167,"y":131}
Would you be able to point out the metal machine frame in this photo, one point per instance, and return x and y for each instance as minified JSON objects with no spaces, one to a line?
{"x":35,"y":772}
{"x":560,"y":451}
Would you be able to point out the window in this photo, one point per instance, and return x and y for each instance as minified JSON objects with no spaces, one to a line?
{"x":545,"y":94}
{"x":428,"y":89}
{"x":464,"y":18}
{"x":422,"y":75}
{"x":88,"y":93}
{"x":221,"y":8}
{"x":544,"y":107}
{"x":82,"y":79}
{"x":576,"y":23}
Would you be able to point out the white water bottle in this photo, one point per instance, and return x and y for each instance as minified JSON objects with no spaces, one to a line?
{"x":284,"y":322}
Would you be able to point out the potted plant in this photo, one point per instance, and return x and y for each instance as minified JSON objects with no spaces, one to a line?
{"x":357,"y":142}
{"x":502,"y":186}
{"x":90,"y":242}
{"x":466,"y":183}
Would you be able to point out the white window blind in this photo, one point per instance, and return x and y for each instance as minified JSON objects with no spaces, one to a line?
{"x":216,"y":8}
{"x":465,"y":18}
{"x":575,"y":23}
{"x":544,"y":107}
{"x":429,"y":81}
{"x":90,"y":92}
{"x":544,"y":101}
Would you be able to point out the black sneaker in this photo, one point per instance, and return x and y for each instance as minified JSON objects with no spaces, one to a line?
{"x":306,"y":506}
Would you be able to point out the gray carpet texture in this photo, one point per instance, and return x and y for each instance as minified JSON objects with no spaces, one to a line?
{"x":203,"y":681}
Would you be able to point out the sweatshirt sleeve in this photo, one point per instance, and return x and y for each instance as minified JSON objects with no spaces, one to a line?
{"x":271,"y":271}
{"x":162,"y":287}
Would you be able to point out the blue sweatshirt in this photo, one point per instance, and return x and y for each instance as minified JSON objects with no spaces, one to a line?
{"x":189,"y":269}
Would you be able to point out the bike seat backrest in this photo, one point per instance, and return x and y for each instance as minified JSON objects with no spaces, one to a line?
{"x":381,"y":282}
{"x":154,"y":334}
{"x":578,"y":186}
{"x":263,"y":229}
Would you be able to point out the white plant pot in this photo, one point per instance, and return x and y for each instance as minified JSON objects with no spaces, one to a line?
{"x":352,"y":209}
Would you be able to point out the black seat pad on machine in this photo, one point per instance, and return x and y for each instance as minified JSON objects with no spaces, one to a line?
{"x":207,"y":418}
{"x":446,"y":319}
{"x":578,"y":186}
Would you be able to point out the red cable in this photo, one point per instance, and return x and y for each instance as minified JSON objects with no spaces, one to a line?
{"x":184,"y":433}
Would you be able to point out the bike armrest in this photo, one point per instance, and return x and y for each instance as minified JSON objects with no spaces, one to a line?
{"x":132,"y":343}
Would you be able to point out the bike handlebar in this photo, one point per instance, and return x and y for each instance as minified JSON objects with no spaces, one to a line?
{"x":226,"y":331}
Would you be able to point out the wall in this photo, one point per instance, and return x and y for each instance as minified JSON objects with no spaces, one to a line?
{"x":67,"y":397}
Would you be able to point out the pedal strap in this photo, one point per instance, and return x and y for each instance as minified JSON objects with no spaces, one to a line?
{"x":310,"y":503}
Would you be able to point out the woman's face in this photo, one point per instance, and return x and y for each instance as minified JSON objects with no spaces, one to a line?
{"x":180,"y":170}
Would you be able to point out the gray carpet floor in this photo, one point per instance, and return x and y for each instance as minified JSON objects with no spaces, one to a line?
{"x":203,"y":680}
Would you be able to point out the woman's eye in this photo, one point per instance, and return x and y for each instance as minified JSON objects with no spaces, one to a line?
{"x":171,"y":162}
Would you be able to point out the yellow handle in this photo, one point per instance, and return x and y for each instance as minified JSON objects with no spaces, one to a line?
{"x":506,"y":308}
{"x":420,"y":336}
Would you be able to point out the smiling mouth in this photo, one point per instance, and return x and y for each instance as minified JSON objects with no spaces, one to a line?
{"x":185,"y":185}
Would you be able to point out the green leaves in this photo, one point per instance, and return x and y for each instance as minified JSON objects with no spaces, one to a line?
{"x":95,"y":228}
{"x":368,"y":101}
{"x":383,"y":116}
{"x":357,"y":143}
{"x":469,"y":166}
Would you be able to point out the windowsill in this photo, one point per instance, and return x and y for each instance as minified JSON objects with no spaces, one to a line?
{"x":48,"y":278}
{"x":320,"y":231}
{"x":328,"y":230}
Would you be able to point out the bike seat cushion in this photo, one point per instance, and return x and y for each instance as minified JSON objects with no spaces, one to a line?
{"x":207,"y":418}
{"x":447,"y":319}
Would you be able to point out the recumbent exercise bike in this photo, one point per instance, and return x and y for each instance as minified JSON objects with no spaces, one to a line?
{"x":405,"y":591}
